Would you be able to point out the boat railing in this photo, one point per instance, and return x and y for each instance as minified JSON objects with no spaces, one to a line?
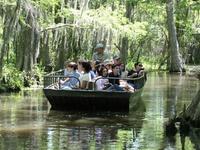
{"x":55,"y":78}
{"x":59,"y":72}
{"x":141,"y":79}
{"x":52,"y":77}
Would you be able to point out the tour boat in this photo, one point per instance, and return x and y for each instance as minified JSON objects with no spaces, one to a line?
{"x":90,"y":99}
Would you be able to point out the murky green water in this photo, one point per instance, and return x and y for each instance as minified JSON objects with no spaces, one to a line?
{"x":27,"y":123}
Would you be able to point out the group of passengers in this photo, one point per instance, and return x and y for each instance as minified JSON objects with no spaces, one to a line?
{"x":105,"y":75}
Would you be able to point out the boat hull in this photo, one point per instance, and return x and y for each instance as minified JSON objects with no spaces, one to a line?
{"x":90,"y":100}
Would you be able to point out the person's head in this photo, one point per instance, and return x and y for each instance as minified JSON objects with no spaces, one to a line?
{"x":72,"y":66}
{"x":138,"y":66}
{"x":85,"y":66}
{"x":116,"y":69}
{"x":102,"y":71}
{"x":117,"y":60}
{"x":99,"y":48}
{"x":79,"y":63}
{"x":108,"y":64}
{"x":95,"y":64}
{"x":105,"y":72}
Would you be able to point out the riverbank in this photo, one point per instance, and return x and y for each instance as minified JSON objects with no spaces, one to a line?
{"x":5,"y":88}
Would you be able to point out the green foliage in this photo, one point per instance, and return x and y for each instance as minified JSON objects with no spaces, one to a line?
{"x":8,"y":2}
{"x":150,"y":63}
{"x":38,"y":72}
{"x":12,"y":78}
{"x":116,"y":21}
{"x":67,"y":13}
{"x":33,"y":77}
{"x":46,"y":4}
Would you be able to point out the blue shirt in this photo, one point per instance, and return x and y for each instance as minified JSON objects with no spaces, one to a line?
{"x":72,"y":82}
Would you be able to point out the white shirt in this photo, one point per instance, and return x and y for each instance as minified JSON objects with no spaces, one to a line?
{"x":85,"y":77}
{"x":100,"y":83}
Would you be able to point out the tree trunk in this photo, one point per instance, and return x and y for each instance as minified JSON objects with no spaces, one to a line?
{"x":44,"y":56}
{"x":128,"y":9}
{"x":61,"y":53}
{"x":29,"y":39}
{"x":176,"y":64}
{"x":124,"y":50}
{"x":10,"y":22}
{"x":164,"y":56}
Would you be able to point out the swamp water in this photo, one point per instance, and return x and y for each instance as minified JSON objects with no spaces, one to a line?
{"x":27,"y":123}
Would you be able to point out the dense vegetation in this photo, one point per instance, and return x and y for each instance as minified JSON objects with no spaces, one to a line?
{"x":40,"y":35}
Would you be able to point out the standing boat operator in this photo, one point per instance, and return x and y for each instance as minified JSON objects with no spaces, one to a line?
{"x":100,"y":55}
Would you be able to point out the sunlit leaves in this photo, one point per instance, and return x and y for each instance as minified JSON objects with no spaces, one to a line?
{"x":12,"y":77}
{"x":47,"y":3}
{"x":8,"y":2}
{"x":116,"y":21}
{"x":66,"y":13}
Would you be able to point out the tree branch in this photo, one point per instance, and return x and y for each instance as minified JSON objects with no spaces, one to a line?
{"x":61,"y":26}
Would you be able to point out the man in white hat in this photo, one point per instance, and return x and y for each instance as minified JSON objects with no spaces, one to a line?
{"x":99,"y":54}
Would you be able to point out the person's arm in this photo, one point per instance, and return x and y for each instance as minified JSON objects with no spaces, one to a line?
{"x":63,"y":81}
{"x":141,"y":72}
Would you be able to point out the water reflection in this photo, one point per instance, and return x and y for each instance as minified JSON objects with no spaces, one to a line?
{"x":26,"y":121}
{"x":95,"y":130}
{"x":22,"y":117}
{"x":167,"y":98}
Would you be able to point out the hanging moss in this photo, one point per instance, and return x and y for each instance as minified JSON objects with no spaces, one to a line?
{"x":12,"y":14}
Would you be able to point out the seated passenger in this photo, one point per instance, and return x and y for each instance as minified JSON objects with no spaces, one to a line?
{"x":108,"y":64}
{"x":124,"y":72}
{"x":71,"y":81}
{"x":102,"y":82}
{"x":115,"y":82}
{"x":95,"y":65}
{"x":117,"y":60}
{"x":114,"y":74}
{"x":136,"y":72}
{"x":85,"y":68}
{"x":93,"y":70}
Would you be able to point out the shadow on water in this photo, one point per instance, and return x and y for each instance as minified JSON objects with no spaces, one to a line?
{"x":109,"y":117}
